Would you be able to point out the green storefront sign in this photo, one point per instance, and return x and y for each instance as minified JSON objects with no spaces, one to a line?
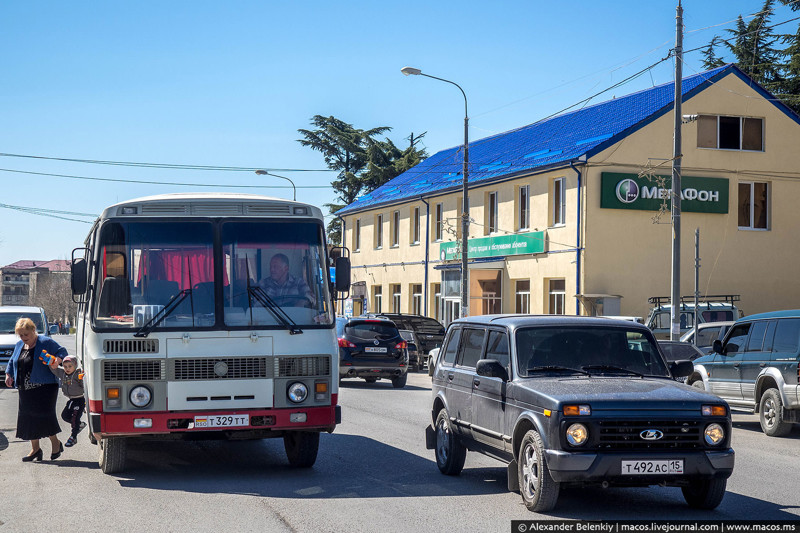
{"x":629,"y":191}
{"x":501,"y":245}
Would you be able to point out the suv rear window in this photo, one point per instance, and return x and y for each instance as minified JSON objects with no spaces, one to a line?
{"x":371,"y":330}
{"x":787,"y":335}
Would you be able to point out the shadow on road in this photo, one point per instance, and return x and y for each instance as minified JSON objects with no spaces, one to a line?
{"x":380,"y":384}
{"x":755,"y":426}
{"x":348,"y":466}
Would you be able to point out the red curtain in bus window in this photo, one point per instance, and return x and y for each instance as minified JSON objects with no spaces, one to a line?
{"x":188,"y":266}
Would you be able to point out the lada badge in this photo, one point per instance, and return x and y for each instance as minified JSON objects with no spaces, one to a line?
{"x":651,"y":434}
{"x":377,"y":342}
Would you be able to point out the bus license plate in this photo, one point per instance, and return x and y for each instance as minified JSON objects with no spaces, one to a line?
{"x":670,"y":466}
{"x":373,"y":349}
{"x":221,"y":421}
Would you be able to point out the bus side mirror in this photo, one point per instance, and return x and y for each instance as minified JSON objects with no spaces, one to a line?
{"x":342,"y":274}
{"x":79,"y":276}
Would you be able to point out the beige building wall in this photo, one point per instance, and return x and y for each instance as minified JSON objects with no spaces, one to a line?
{"x":624,"y":252}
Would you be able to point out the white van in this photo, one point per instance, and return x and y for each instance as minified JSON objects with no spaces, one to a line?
{"x":9,"y":314}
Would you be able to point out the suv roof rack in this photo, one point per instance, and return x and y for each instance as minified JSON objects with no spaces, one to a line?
{"x":708,"y":298}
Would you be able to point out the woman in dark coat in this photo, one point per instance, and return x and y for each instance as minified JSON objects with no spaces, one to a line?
{"x":38,"y":389}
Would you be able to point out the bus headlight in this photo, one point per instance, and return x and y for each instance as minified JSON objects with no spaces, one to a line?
{"x":297,"y":392}
{"x":714,"y":434}
{"x":140,"y":396}
{"x":577,"y":434}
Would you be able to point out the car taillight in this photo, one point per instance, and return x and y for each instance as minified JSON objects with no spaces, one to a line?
{"x":344,"y":343}
{"x":402,"y":345}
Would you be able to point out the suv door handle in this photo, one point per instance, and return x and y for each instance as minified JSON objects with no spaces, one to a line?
{"x":450,"y":376}
{"x":476,"y":381}
{"x":736,"y":365}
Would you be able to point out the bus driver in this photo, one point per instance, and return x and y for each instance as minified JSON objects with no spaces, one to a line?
{"x":284,"y":287}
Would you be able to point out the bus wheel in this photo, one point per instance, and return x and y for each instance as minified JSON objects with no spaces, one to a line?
{"x":301,"y":448}
{"x":113,"y":451}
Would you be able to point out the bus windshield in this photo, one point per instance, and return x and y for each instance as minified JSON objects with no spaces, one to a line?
{"x":150,"y":266}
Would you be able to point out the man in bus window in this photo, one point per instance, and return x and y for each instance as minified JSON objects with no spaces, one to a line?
{"x":285,"y":288}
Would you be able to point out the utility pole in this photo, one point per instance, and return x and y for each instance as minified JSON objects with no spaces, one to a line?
{"x":675,"y":312}
{"x":696,"y":281}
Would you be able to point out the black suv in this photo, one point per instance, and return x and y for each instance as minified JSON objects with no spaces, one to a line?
{"x":429,"y":331}
{"x":372,"y":348}
{"x":575,"y":400}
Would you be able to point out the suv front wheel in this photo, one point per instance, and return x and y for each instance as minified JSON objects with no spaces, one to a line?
{"x":770,"y":414}
{"x":539,"y":491}
{"x":705,"y":494}
{"x":450,"y":453}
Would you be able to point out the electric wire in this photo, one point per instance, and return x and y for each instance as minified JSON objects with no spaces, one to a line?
{"x":50,"y":213}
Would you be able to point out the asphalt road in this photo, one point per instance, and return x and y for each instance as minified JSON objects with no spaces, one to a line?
{"x":372,"y":474}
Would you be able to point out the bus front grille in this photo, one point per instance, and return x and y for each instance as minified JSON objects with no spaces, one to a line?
{"x":130,"y":346}
{"x":221,"y":368}
{"x":134,"y":370}
{"x":302,"y":366}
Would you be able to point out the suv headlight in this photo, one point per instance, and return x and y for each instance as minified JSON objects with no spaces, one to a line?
{"x":714,"y":434}
{"x":577,"y":434}
{"x":140,"y":396}
{"x":297,"y":392}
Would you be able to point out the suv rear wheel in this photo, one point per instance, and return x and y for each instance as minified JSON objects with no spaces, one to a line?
{"x":539,"y":491}
{"x":705,"y":494}
{"x":770,"y":414}
{"x":400,"y":382}
{"x":450,"y":453}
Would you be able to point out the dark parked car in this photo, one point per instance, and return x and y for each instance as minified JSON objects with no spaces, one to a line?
{"x":429,"y":331}
{"x":414,"y":357}
{"x":756,"y":369}
{"x":372,"y":349}
{"x":575,"y":401}
{"x":679,"y":351}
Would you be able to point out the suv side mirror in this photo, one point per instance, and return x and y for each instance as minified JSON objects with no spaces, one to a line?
{"x":342,"y":274}
{"x":493,"y":369}
{"x":681,"y":369}
{"x":717,"y":346}
{"x":78,"y":276}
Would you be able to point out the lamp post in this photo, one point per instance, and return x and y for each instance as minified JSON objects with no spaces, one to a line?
{"x":409,"y":71}
{"x":265,"y":173}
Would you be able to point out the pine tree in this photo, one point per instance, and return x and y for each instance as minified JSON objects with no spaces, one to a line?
{"x":710,"y":58}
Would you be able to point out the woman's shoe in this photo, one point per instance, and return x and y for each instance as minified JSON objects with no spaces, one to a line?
{"x":37,"y":456}
{"x":56,"y":455}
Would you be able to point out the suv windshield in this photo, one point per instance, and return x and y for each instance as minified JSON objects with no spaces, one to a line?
{"x":599,"y":348}
{"x":371,"y":330}
{"x":9,"y":320}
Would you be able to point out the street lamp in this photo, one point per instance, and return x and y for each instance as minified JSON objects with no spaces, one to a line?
{"x":294,"y":189}
{"x":409,"y":71}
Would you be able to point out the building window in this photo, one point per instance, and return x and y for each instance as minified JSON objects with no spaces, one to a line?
{"x":379,"y":231}
{"x":395,"y":229}
{"x":730,"y":133}
{"x":438,"y":221}
{"x":491,"y":213}
{"x":559,"y":202}
{"x":357,"y":236}
{"x":753,"y":205}
{"x":377,"y":297}
{"x":557,"y":292}
{"x":523,"y":296}
{"x":416,"y":299}
{"x":415,"y":226}
{"x":436,"y":289}
{"x":395,"y":289}
{"x":523,"y":208}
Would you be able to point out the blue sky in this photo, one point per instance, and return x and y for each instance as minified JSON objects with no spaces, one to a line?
{"x":230,"y":83}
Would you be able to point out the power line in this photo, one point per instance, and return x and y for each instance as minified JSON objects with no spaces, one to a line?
{"x":164,"y":165}
{"x":49,"y":213}
{"x":171,"y":183}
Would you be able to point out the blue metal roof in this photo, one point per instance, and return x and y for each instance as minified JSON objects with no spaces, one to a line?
{"x":548,"y":143}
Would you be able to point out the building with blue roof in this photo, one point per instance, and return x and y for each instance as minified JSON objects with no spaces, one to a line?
{"x":570,"y":214}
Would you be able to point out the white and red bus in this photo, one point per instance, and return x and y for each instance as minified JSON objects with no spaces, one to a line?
{"x":208,"y":316}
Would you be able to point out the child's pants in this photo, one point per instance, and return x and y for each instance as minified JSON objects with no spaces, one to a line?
{"x":73,"y":412}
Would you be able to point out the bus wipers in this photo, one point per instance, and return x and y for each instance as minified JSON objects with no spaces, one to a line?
{"x":258,"y":294}
{"x":167,"y":310}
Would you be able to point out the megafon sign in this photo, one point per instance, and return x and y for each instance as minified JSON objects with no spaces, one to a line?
{"x":629,"y":191}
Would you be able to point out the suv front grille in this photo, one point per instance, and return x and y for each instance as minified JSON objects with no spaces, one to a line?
{"x":133,"y":370}
{"x":221,"y":368}
{"x":302,"y":366}
{"x":626,"y":435}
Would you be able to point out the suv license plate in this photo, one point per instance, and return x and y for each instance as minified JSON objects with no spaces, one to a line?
{"x":221,"y":421}
{"x":373,"y":349}
{"x":670,"y":466}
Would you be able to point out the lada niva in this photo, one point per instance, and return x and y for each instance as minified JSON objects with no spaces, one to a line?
{"x":576,"y":400}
